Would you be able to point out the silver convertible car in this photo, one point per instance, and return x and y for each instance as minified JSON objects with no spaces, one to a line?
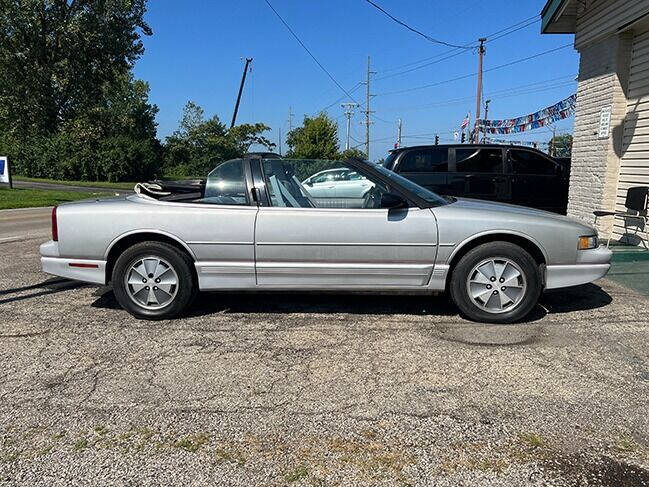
{"x":252,"y":225}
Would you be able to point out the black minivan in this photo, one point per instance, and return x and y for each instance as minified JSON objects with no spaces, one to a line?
{"x":505,"y":173}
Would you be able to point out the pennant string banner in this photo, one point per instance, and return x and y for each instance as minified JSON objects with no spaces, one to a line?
{"x":548,"y":115}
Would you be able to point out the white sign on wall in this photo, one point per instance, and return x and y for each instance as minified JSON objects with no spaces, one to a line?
{"x":604,"y":122}
{"x":4,"y":170}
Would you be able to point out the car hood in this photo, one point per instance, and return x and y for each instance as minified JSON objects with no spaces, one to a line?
{"x":504,"y":208}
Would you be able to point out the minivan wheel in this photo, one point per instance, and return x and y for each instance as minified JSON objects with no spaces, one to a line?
{"x":497,"y":282}
{"x":153,"y":281}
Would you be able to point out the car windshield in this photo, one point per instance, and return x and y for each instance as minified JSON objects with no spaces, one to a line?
{"x":420,"y":191}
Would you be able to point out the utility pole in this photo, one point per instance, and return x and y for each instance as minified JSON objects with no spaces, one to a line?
{"x":486,"y":117}
{"x":349,"y":113}
{"x":368,"y":122}
{"x":481,"y":51}
{"x":399,"y":133}
{"x":243,"y":82}
{"x":290,"y":119}
{"x":280,"y":141}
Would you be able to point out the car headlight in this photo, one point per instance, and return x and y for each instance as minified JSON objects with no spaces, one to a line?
{"x":590,"y":242}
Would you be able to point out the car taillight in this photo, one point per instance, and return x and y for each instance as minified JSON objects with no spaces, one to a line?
{"x":55,"y":227}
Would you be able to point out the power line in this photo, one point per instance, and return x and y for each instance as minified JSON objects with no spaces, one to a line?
{"x":422,"y":66}
{"x":528,"y":21}
{"x":491,"y":39}
{"x":415,"y":88}
{"x":512,"y":92}
{"x":498,"y":34}
{"x":309,"y":52}
{"x":338,"y":100}
{"x":418,"y":32}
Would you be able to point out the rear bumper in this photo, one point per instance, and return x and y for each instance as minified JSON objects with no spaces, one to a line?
{"x":93,"y":271}
{"x":592,"y":265}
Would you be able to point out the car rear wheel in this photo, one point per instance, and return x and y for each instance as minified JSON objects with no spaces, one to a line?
{"x":497,"y":282}
{"x":154,"y":281}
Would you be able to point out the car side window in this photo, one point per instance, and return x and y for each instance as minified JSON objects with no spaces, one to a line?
{"x":424,"y":160}
{"x":226,"y":185}
{"x":478,"y":160}
{"x":291,"y":183}
{"x":528,"y":162}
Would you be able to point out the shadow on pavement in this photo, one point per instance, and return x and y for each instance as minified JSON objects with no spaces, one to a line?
{"x":578,"y":298}
{"x":325,"y":303}
{"x":49,"y":286}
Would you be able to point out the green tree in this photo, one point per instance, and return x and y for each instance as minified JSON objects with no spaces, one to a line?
{"x":317,"y":138}
{"x":352,"y":153}
{"x":56,"y":54}
{"x":199,"y":144}
{"x":113,"y":140}
{"x":69,"y":106}
{"x":561,"y":145}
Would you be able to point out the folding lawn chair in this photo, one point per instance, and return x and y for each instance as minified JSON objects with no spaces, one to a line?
{"x":636,"y":208}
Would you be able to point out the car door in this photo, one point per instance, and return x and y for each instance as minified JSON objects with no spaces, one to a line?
{"x":218,"y":228}
{"x":478,"y":172}
{"x":537,"y":181}
{"x":428,"y":167}
{"x":301,"y":245}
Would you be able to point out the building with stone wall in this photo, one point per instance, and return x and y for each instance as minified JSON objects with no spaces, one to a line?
{"x":611,"y":134}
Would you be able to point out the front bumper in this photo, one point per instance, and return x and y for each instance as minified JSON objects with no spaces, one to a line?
{"x":93,"y":271}
{"x":591,"y":265}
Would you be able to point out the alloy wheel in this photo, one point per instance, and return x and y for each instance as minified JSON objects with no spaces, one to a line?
{"x":496,"y":285}
{"x":151,"y":282}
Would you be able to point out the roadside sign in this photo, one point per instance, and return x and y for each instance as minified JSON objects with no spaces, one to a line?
{"x":604,"y":122}
{"x":5,"y":175}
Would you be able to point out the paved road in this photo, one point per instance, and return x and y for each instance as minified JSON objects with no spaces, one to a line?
{"x":317,"y":389}
{"x":66,"y":187}
{"x":24,"y":223}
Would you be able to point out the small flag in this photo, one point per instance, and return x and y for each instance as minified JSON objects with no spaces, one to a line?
{"x":465,"y":122}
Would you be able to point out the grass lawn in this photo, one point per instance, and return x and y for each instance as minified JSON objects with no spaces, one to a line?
{"x":92,"y":184}
{"x":28,"y":198}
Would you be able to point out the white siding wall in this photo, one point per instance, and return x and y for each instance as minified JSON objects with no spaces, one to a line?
{"x":634,"y":168}
{"x":600,"y":18}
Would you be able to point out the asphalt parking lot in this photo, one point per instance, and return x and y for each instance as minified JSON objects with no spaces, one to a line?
{"x":317,"y":389}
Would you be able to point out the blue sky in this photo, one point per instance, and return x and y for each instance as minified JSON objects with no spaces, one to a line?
{"x":197,"y":47}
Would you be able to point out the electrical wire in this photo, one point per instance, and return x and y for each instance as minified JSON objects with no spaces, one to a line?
{"x":454,"y":52}
{"x":418,"y":32}
{"x":415,"y":88}
{"x":288,"y":27}
{"x":513,"y":91}
{"x":338,"y":100}
{"x":420,"y":67}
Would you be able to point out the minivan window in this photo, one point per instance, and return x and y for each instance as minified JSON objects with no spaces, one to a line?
{"x":528,"y":162}
{"x":479,"y":160}
{"x":425,"y":160}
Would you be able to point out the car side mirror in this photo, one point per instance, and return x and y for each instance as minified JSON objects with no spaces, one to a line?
{"x":308,"y":182}
{"x":391,"y":201}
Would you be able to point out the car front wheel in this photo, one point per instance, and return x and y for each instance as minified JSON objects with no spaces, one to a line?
{"x":497,"y":282}
{"x":154,"y":281}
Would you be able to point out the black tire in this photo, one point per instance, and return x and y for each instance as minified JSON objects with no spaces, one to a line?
{"x":182,"y":264}
{"x":494,"y":250}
